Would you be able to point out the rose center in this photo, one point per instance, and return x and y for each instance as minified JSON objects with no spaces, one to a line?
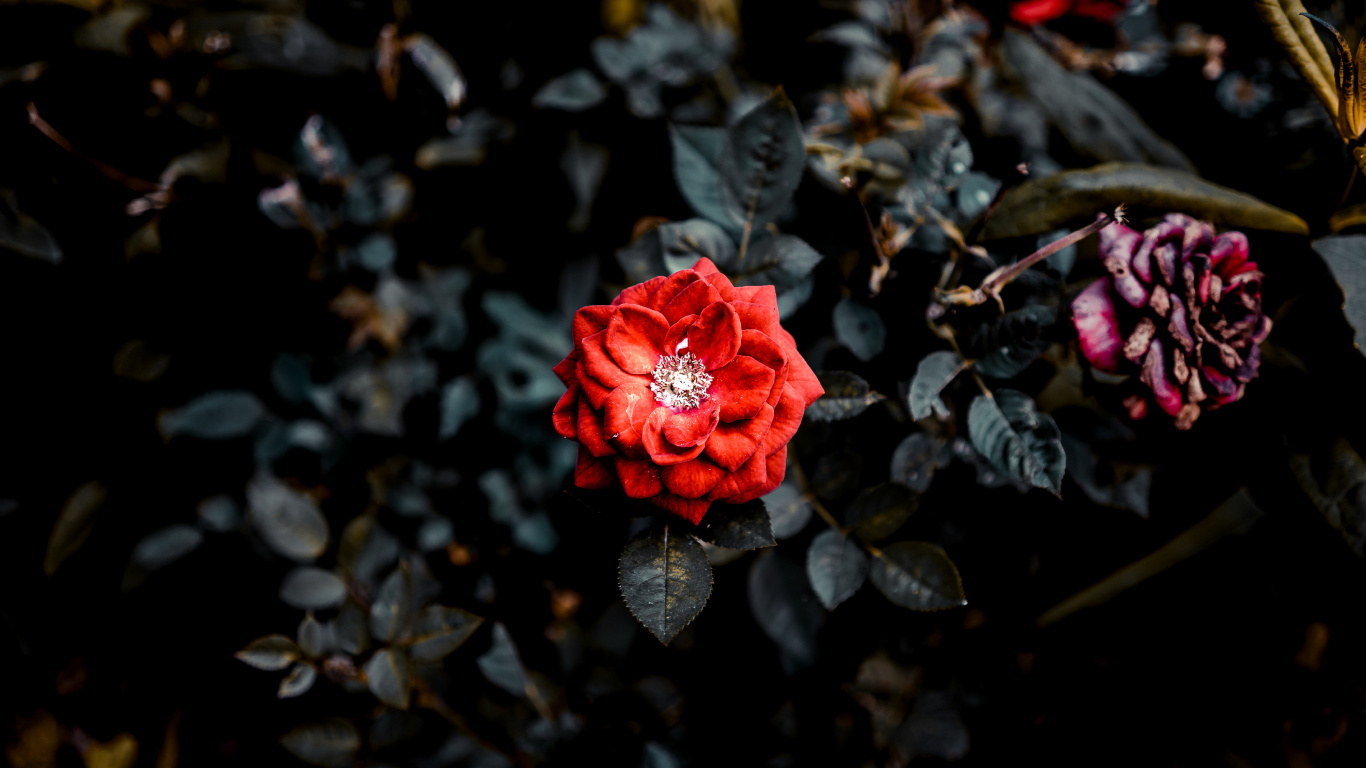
{"x":681,"y":381}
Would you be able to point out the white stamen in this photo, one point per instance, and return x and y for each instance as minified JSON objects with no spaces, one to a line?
{"x":681,"y":381}
{"x":682,"y":345}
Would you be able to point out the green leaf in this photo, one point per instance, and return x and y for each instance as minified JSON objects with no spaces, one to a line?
{"x":214,"y":416}
{"x":762,"y":162}
{"x":291,"y":378}
{"x":166,"y":546}
{"x":788,"y":509}
{"x":331,"y":743}
{"x":459,"y":403}
{"x":312,"y":588}
{"x":1013,"y":341}
{"x":696,"y":152}
{"x":290,"y":522}
{"x":931,"y":376}
{"x":1336,"y":483}
{"x":439,"y":630}
{"x":1345,"y":256}
{"x":74,"y":525}
{"x":573,"y":91}
{"x":685,"y":242}
{"x":500,"y":663}
{"x":1019,"y":441}
{"x":665,"y":579}
{"x":739,"y":526}
{"x":836,"y":567}
{"x":351,"y":628}
{"x":366,"y":549}
{"x":388,"y":674}
{"x":315,"y":638}
{"x":393,"y":609}
{"x":916,"y":458}
{"x":271,"y":653}
{"x":21,"y":234}
{"x":393,"y":727}
{"x":781,"y":600}
{"x":1049,"y":203}
{"x":298,"y":681}
{"x":917,"y":575}
{"x":878,"y":512}
{"x":846,"y":396}
{"x":441,"y":70}
{"x":859,"y":327}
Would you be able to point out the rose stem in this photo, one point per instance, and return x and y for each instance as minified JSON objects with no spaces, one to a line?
{"x":996,"y":281}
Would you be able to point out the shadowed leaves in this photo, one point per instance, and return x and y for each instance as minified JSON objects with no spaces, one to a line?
{"x":271,"y":653}
{"x":782,"y":602}
{"x":388,"y":674}
{"x":762,"y":162}
{"x":438,"y":630}
{"x":931,"y":376}
{"x":331,"y":743}
{"x":665,"y":579}
{"x":917,"y":575}
{"x":877,"y":512}
{"x":738,"y":526}
{"x":1018,"y":440}
{"x":1345,"y":256}
{"x":846,"y":396}
{"x":836,"y":567}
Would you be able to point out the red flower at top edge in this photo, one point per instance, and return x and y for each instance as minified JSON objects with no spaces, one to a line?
{"x":1039,"y":11}
{"x":685,"y":390}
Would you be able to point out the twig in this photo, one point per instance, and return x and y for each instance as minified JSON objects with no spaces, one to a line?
{"x":131,"y":182}
{"x":805,"y":486}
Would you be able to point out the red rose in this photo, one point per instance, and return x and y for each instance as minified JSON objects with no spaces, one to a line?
{"x":684,"y":390}
{"x":1039,"y":11}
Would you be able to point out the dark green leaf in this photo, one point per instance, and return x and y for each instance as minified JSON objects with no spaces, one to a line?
{"x":685,"y":242}
{"x":762,"y":162}
{"x":1049,"y":203}
{"x":74,"y":525}
{"x":836,"y":567}
{"x":377,"y":252}
{"x":788,"y":509}
{"x":739,"y":526}
{"x":837,"y":474}
{"x":501,"y":665}
{"x":312,"y":588}
{"x":315,"y":638}
{"x":331,"y":743}
{"x":643,"y":258}
{"x":846,"y":396}
{"x":878,"y":512}
{"x":787,"y":611}
{"x":366,"y":548}
{"x":219,"y":513}
{"x":271,"y":653}
{"x":574,"y":91}
{"x":393,"y":608}
{"x":351,"y":628}
{"x":1345,"y":256}
{"x":438,"y":630}
{"x":21,"y":234}
{"x":535,"y":533}
{"x":290,"y":522}
{"x":214,"y":416}
{"x":166,"y":546}
{"x":388,"y":674}
{"x":665,"y":579}
{"x":696,"y":152}
{"x":932,"y":729}
{"x":321,"y":152}
{"x":931,"y":376}
{"x":859,"y":327}
{"x":916,"y":458}
{"x":298,"y":681}
{"x":584,"y":164}
{"x":1019,"y":441}
{"x":459,"y":403}
{"x":393,"y":727}
{"x":1336,"y":483}
{"x":1013,"y":341}
{"x":435,"y":534}
{"x":438,"y":66}
{"x":290,"y":376}
{"x":917,"y":575}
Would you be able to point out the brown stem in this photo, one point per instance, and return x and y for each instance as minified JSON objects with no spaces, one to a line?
{"x":811,"y":499}
{"x":131,"y":182}
{"x":998,"y":280}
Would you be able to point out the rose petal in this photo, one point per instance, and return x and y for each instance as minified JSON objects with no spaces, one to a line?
{"x":1228,"y":253}
{"x":592,"y":472}
{"x":1197,"y":237}
{"x":590,"y":320}
{"x":1125,"y":282}
{"x":565,"y":368}
{"x":704,"y":267}
{"x":1119,"y":242}
{"x":661,"y":451}
{"x":592,"y":389}
{"x":691,"y":479}
{"x":777,"y":467}
{"x":600,"y":364}
{"x":566,"y":414}
{"x":763,"y":295}
{"x":678,"y":332}
{"x":639,"y":478}
{"x":639,"y":293}
{"x":752,"y":475}
{"x":686,"y":429}
{"x":1252,"y":360}
{"x":635,"y":338}
{"x":799,"y":374}
{"x":715,"y":337}
{"x":722,"y":285}
{"x":1154,"y":374}
{"x":1152,"y":238}
{"x":694,"y":298}
{"x":787,"y":417}
{"x":624,"y":415}
{"x":1093,"y":313}
{"x":758,"y":345}
{"x":1178,"y":328}
{"x":741,"y":387}
{"x":692,"y":510}
{"x":589,"y":426}
{"x":671,"y":287}
{"x":731,"y":445}
{"x":760,"y":317}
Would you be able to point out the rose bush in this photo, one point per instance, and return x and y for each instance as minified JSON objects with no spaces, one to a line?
{"x":1189,"y":316}
{"x":684,"y":391}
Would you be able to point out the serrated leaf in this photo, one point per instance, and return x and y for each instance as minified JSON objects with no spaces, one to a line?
{"x":1345,"y":256}
{"x":214,"y":416}
{"x":785,"y":608}
{"x":500,"y":663}
{"x":298,"y":681}
{"x":665,"y":579}
{"x":916,"y":458}
{"x":388,"y":674}
{"x":271,"y":653}
{"x":933,"y":373}
{"x":846,"y":396}
{"x":166,"y":546}
{"x":331,"y":743}
{"x":836,"y":567}
{"x":917,"y":575}
{"x":739,"y":526}
{"x":684,"y":242}
{"x":438,"y":630}
{"x":878,"y":512}
{"x":762,"y":162}
{"x":1013,"y":341}
{"x":393,"y":608}
{"x":1046,"y":204}
{"x":312,"y":588}
{"x":290,"y":522}
{"x":74,"y":524}
{"x":788,"y":509}
{"x":859,"y":327}
{"x":1019,"y":441}
{"x":696,"y":152}
{"x":573,"y":91}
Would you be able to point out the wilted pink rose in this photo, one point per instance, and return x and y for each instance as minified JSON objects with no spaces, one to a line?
{"x":1182,"y":307}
